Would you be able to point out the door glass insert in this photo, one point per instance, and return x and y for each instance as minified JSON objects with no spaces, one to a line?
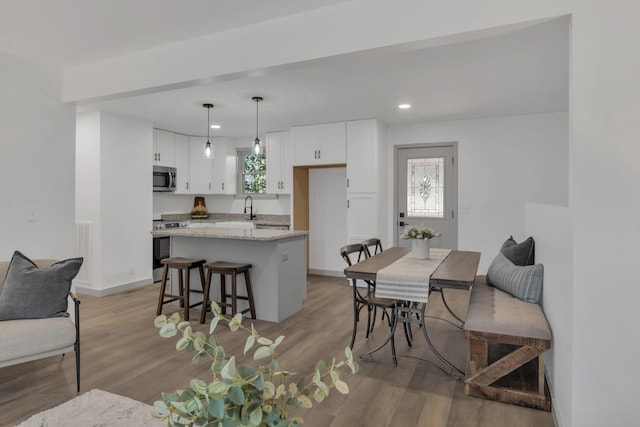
{"x":425,"y":187}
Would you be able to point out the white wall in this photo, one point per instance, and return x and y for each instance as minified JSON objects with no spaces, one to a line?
{"x":503,"y":163}
{"x":327,"y":219}
{"x":114,"y":193}
{"x":551,"y":227}
{"x":37,"y":159}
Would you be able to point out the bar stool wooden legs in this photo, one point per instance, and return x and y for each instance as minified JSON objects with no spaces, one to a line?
{"x":184,"y":266}
{"x":224,"y":268}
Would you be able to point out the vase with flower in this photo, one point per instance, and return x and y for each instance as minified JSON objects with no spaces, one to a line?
{"x":420,"y":236}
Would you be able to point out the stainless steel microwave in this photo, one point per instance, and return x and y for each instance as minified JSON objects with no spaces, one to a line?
{"x":164,"y":178}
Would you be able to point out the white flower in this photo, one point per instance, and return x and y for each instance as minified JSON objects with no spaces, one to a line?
{"x":419,"y":232}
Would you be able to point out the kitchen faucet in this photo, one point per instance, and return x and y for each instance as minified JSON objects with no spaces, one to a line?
{"x":251,"y":215}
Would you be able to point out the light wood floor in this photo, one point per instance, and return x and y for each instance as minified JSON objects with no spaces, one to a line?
{"x":123,"y":354}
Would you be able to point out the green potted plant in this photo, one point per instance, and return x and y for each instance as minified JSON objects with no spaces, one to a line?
{"x":243,"y":395}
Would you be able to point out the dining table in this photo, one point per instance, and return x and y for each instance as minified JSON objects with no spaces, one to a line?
{"x":409,"y":282}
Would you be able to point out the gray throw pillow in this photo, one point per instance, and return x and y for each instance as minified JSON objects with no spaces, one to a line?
{"x":30,"y":292}
{"x":519,"y":253}
{"x":523,"y":282}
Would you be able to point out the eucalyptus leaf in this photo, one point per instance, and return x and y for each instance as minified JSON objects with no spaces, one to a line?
{"x":236,"y":322}
{"x":214,"y":323}
{"x":229,"y":369}
{"x":175,"y":318}
{"x":342,"y":387}
{"x":256,"y":416}
{"x":216,"y":408}
{"x":236,"y":395}
{"x":264,"y":341}
{"x":304,"y":402}
{"x":320,"y":365}
{"x":250,"y":341}
{"x":161,"y":408}
{"x":269,"y":390}
{"x":168,"y":330}
{"x":261,"y":353}
{"x":182,"y":344}
{"x":160,"y":321}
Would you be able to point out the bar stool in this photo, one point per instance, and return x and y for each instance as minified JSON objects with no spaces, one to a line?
{"x":224,"y":268}
{"x":183,"y":267}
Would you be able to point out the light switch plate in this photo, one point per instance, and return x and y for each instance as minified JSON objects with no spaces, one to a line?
{"x":464,"y":208}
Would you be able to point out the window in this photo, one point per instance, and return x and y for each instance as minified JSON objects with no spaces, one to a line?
{"x":253,"y":176}
{"x":425,"y":187}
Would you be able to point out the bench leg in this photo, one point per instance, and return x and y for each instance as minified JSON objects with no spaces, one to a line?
{"x":478,"y":384}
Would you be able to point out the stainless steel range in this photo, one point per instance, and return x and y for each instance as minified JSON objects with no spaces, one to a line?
{"x":161,"y":245}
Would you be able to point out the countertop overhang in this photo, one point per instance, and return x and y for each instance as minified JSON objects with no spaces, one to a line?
{"x":230,"y":233}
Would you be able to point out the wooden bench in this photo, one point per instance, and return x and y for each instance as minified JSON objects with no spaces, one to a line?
{"x":507,"y":341}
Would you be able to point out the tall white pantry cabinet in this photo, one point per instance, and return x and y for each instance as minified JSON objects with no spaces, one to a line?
{"x":363,"y":174}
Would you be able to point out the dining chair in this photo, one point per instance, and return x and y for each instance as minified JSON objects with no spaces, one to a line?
{"x":370,"y":245}
{"x":364,"y":296}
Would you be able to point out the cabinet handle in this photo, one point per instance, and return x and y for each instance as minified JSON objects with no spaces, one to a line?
{"x":315,"y":154}
{"x":187,"y":185}
{"x":155,"y":157}
{"x":158,"y":156}
{"x":223,"y":186}
{"x":347,"y":182}
{"x":209,"y":186}
{"x":318,"y":153}
{"x":348,"y":204}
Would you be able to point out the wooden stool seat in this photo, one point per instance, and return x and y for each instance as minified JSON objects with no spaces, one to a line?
{"x":224,"y":268}
{"x":184,"y":266}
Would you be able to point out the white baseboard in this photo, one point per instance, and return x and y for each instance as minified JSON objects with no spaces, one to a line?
{"x":80,"y":289}
{"x":321,"y":272}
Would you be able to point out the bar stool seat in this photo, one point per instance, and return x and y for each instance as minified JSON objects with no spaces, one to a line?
{"x":184,"y":266}
{"x":224,"y":268}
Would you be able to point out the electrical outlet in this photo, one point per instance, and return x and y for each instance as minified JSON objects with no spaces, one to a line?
{"x":464,"y":208}
{"x":284,"y":256}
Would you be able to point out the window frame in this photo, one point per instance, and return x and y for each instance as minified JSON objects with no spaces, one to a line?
{"x":241,"y":152}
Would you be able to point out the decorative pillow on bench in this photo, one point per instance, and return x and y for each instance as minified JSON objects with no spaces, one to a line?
{"x":30,"y":292}
{"x":523,"y":282}
{"x":518,"y":253}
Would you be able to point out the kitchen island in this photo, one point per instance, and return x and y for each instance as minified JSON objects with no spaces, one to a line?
{"x":278,"y":259}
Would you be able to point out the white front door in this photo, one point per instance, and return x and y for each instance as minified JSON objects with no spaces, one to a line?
{"x":426,"y":185}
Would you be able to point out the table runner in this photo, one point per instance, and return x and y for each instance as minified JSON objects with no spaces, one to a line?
{"x":408,"y":278}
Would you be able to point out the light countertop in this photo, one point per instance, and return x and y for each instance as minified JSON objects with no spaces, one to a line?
{"x":230,"y":233}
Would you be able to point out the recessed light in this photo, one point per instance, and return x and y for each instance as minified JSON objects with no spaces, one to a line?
{"x":215,"y":126}
{"x":404,"y":106}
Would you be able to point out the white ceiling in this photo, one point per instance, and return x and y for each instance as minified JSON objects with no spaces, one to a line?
{"x":521,"y":72}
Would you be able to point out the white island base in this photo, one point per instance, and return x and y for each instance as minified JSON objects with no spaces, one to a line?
{"x":278,"y":273}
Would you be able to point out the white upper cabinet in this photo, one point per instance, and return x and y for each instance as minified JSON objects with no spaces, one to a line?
{"x":279,"y":167}
{"x":323,"y":144}
{"x":223,"y":176}
{"x":200,"y":167}
{"x":182,"y":163}
{"x":362,"y":158}
{"x":163,"y":148}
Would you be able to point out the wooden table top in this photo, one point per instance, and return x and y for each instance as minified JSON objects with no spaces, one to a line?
{"x":457,"y":271}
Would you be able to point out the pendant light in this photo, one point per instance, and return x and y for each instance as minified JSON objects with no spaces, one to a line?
{"x":207,"y":146}
{"x":256,"y":142}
